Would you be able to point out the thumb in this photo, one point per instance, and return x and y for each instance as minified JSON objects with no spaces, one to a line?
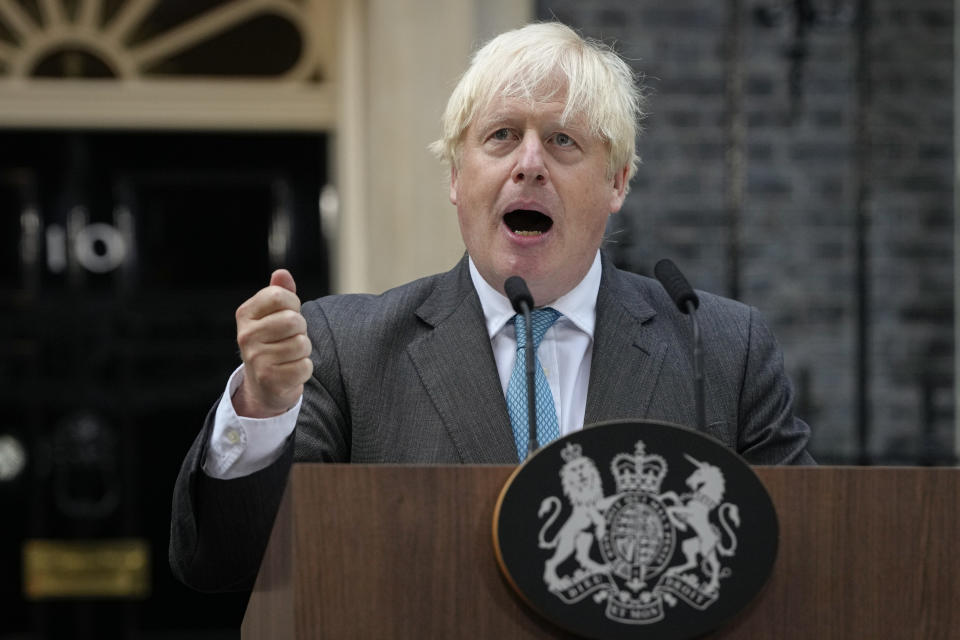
{"x":282,"y":278}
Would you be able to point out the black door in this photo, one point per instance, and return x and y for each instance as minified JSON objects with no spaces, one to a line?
{"x":123,"y":258}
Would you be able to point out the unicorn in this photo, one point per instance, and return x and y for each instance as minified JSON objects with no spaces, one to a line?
{"x":708,"y":486}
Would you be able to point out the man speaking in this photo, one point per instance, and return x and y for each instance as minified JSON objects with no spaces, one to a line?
{"x":540,"y":136}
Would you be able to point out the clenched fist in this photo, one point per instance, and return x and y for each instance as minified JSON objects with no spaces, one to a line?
{"x":275,"y":349}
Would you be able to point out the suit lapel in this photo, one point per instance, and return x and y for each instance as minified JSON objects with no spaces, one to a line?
{"x":456,"y":366}
{"x":626,"y":357}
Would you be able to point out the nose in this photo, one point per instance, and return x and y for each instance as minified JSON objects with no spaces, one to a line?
{"x":530,"y":165}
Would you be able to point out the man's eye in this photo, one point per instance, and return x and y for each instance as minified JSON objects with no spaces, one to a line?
{"x":501,"y":134}
{"x":562,"y":140}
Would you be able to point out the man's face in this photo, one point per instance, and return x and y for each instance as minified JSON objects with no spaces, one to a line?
{"x":533,"y":195}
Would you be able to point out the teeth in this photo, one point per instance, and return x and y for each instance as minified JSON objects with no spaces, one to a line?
{"x":528,"y":233}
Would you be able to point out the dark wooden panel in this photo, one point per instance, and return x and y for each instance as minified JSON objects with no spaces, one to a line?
{"x":864,"y":553}
{"x":406,"y":552}
{"x":437,"y":521}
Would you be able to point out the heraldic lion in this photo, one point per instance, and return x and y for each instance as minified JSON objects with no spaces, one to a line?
{"x":584,"y":488}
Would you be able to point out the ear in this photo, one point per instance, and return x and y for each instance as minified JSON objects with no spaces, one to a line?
{"x":618,"y":189}
{"x":453,"y":185}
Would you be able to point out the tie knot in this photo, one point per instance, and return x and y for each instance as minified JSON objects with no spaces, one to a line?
{"x":540,"y":320}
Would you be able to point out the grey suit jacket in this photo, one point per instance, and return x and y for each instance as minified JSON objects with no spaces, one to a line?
{"x":408,"y":376}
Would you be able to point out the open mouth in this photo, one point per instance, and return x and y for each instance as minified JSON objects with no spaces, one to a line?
{"x":525,"y":222}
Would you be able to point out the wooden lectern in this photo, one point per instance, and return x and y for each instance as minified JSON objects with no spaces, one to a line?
{"x":406,"y":552}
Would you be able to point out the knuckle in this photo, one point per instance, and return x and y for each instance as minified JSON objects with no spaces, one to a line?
{"x":306,"y":347}
{"x":273,"y":295}
{"x":244,"y":337}
{"x":278,"y":297}
{"x":273,"y":324}
{"x":305,"y":369}
{"x":299,"y":322}
{"x":288,"y":318}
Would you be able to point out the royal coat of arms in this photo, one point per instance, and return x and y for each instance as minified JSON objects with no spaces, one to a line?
{"x":620,"y":549}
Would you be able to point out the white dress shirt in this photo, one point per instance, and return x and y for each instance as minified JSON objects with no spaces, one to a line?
{"x":567,"y":347}
{"x":240,"y":446}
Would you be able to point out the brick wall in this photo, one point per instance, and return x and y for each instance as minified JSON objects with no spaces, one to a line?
{"x":791,"y":248}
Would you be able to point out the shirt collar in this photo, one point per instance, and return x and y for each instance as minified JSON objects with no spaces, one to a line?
{"x":579,"y":305}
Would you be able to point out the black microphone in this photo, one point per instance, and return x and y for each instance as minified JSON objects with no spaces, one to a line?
{"x":687,"y":301}
{"x":676,"y":285}
{"x":522,"y":302}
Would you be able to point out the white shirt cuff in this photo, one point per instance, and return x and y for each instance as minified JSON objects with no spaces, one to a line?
{"x":240,"y":446}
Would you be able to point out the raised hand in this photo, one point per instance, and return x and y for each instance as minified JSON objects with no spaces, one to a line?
{"x":272,"y":335}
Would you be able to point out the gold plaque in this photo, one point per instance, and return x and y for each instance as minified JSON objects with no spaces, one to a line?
{"x":98,"y":568}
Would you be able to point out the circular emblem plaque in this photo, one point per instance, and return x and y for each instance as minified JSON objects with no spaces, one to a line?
{"x":632,"y":529}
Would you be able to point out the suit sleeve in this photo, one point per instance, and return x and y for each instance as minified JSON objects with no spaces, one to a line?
{"x":768,"y":433}
{"x":220,"y":528}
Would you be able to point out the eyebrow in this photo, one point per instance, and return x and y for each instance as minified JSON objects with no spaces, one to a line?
{"x":509,"y":117}
{"x":495,"y":118}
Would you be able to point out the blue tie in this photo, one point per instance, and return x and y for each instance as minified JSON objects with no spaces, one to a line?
{"x":547,"y":427}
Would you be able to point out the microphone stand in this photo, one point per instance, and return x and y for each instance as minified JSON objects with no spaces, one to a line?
{"x":522,"y":302}
{"x":531,"y":387}
{"x":697,"y":368}
{"x":687,"y":302}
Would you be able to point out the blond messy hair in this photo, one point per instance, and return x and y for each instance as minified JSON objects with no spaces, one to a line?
{"x":550,"y":60}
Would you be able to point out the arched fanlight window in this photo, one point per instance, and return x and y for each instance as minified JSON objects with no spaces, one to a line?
{"x":204,"y":63}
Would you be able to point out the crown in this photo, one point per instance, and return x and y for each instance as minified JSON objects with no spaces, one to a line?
{"x":571,"y":452}
{"x":640,"y":471}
